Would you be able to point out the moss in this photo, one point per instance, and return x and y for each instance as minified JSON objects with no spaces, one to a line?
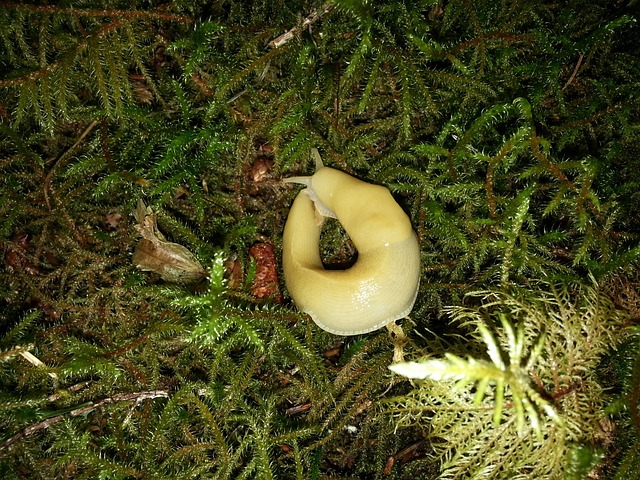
{"x":508,"y":131}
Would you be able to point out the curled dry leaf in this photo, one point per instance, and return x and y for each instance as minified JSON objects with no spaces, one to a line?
{"x":265,"y":283}
{"x":298,"y":409}
{"x":16,"y":257}
{"x":141,"y":89}
{"x":173,"y":262}
{"x":234,"y":273}
{"x":112,"y":220}
{"x":260,"y":169}
{"x":258,"y":176}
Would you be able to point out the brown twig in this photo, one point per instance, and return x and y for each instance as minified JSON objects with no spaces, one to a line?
{"x":55,"y":64}
{"x":123,"y":17}
{"x":591,"y":119}
{"x":542,"y":158}
{"x":422,"y":215}
{"x":78,"y":12}
{"x":203,"y":86}
{"x":307,"y":22}
{"x":493,"y":163}
{"x":122,"y":397}
{"x":127,"y":347}
{"x":575,"y":71}
{"x":505,"y":37}
{"x":403,"y":456}
{"x":65,"y":154}
{"x":489,"y":187}
{"x":48,"y":180}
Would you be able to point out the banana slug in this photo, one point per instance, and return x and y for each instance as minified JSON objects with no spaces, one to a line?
{"x":382,"y":285}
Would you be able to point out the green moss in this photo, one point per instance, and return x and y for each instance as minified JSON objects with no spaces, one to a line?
{"x":507,"y":130}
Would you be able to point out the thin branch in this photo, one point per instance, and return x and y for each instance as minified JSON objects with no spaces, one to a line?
{"x":123,"y":17}
{"x":55,"y":64}
{"x":489,"y":187}
{"x":506,"y":38}
{"x":481,"y":35}
{"x":122,"y":397}
{"x":97,"y":13}
{"x":48,"y":180}
{"x":589,"y":120}
{"x":575,"y":71}
{"x":542,"y":158}
{"x":307,"y":22}
{"x":634,"y":396}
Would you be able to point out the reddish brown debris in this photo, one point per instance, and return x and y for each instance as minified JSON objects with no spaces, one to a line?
{"x":141,"y":89}
{"x":233,"y":273}
{"x":332,"y":355}
{"x":112,"y":220}
{"x":405,"y":455}
{"x":16,"y":257}
{"x":298,"y":409}
{"x":260,"y":169}
{"x":265,"y":283}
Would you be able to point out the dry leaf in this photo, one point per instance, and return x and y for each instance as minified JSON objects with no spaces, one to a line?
{"x":141,"y":89}
{"x":260,"y":169}
{"x":234,"y":273}
{"x":298,"y":409}
{"x":16,"y":257}
{"x":112,"y":220}
{"x":173,"y":262}
{"x":265,"y":283}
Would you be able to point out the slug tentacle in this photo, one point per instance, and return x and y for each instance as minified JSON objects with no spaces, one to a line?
{"x":317,"y":158}
{"x":307,"y":181}
{"x":301,"y":180}
{"x":381,"y":286}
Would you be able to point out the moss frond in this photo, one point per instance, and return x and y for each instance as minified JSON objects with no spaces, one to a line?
{"x":531,"y":396}
{"x":508,"y":132}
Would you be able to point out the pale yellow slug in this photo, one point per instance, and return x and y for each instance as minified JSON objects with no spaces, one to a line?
{"x":382,"y":285}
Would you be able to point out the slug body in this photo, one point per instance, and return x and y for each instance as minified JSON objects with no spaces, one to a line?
{"x":382,"y":285}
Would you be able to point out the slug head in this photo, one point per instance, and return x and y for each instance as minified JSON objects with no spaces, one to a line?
{"x":367,"y":212}
{"x":321,"y":208}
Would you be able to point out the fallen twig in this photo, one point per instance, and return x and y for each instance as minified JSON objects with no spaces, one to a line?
{"x":121,"y":397}
{"x":575,"y":71}
{"x":310,"y":20}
